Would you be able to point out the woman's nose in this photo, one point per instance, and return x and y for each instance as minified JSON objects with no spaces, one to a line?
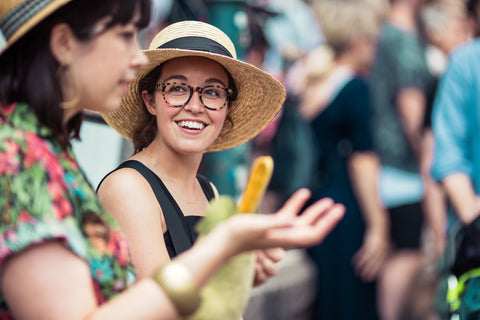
{"x":195,"y":104}
{"x":139,"y":58}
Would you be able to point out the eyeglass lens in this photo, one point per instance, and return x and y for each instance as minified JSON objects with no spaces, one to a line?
{"x":213,"y":97}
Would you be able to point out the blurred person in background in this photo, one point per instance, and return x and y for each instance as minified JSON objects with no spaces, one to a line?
{"x":456,"y":161}
{"x":399,"y":82}
{"x":335,"y":101}
{"x":291,"y":33}
{"x":444,"y":26}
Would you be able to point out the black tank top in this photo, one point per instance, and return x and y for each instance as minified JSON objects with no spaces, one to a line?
{"x":171,"y":210}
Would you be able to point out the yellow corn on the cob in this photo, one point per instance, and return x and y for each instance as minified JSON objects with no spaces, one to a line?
{"x":257,"y":183}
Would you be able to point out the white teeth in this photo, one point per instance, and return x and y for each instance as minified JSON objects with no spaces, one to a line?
{"x":191,"y":125}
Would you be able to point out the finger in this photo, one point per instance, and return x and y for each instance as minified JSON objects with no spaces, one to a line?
{"x":367,"y":264}
{"x":361,"y":257}
{"x":326,"y":222}
{"x":308,"y":235}
{"x":260,"y":276}
{"x":362,"y":265}
{"x":370,"y":270}
{"x":295,"y":203}
{"x":311,"y":214}
{"x":275,"y":254}
{"x":269,"y":267}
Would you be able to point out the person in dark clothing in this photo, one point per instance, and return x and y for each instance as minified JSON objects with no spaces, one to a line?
{"x":336,"y":102}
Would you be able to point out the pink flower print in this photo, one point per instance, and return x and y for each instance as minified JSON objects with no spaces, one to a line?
{"x":39,"y":151}
{"x":56,"y":190}
{"x":118,"y":286}
{"x":4,"y":249}
{"x":9,"y":162}
{"x":71,"y":161}
{"x":66,"y":207}
{"x":118,"y":246}
{"x":54,"y":169}
{"x":24,"y":216}
{"x":11,"y":236}
{"x":7,"y":110}
{"x":123,"y":251}
{"x":98,"y":293}
{"x":61,"y":207}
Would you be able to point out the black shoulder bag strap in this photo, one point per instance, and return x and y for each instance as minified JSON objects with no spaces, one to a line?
{"x":180,"y":239}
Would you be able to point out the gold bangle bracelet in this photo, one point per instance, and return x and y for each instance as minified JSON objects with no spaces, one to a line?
{"x":177,"y":283}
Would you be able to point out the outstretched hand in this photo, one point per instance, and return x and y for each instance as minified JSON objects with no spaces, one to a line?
{"x":286,"y":228}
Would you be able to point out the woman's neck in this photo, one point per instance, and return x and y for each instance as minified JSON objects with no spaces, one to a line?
{"x":178,"y":172}
{"x":179,"y":169}
{"x":346,"y":63}
{"x":402,"y":15}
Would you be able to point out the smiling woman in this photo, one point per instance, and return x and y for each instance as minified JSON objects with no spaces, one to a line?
{"x":192,"y":97}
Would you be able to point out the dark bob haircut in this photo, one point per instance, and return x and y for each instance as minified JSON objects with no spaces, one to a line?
{"x":28,"y":67}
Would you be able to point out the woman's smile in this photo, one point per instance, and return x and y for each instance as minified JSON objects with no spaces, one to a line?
{"x":191,"y":125}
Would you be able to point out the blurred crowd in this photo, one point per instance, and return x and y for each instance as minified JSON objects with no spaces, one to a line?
{"x":381,"y":116}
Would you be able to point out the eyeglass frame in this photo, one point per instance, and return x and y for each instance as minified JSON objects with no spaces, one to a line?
{"x":197,"y":89}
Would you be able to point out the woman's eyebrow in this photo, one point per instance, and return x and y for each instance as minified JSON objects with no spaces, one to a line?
{"x":176,"y":76}
{"x":215,"y":80}
{"x":185,"y":79}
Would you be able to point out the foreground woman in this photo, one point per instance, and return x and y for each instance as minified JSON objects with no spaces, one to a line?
{"x":61,"y":255}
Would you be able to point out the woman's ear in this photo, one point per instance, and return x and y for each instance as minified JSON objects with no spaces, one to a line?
{"x":229,"y":106}
{"x":62,"y":41}
{"x":149,"y":101}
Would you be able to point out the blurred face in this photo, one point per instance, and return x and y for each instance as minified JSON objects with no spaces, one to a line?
{"x":456,"y":32}
{"x":102,"y":69}
{"x":449,"y":32}
{"x":191,"y":128}
{"x":365,"y":49}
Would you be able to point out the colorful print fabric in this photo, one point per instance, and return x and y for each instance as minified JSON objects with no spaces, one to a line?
{"x":44,"y":195}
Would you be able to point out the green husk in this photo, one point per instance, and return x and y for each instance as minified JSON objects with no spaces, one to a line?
{"x":225,"y":296}
{"x":220,"y":209}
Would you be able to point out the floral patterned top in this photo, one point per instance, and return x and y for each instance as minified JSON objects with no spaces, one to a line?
{"x":44,"y":195}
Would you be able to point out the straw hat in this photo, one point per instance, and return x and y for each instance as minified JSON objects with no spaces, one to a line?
{"x":259,"y":99}
{"x":17,"y":17}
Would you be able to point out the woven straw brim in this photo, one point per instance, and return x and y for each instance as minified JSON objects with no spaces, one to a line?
{"x":31,"y":22}
{"x":260,"y":98}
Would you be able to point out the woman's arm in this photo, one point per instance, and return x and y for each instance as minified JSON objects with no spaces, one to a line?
{"x":364,"y":170}
{"x":129,"y":199}
{"x":48,"y":281}
{"x":411,"y":108}
{"x":461,"y":194}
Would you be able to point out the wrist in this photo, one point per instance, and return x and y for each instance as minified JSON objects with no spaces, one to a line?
{"x":222,"y":238}
{"x":381,"y":228}
{"x":176,"y":280}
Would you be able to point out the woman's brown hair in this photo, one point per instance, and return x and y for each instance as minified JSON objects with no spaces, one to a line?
{"x":28,"y":68}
